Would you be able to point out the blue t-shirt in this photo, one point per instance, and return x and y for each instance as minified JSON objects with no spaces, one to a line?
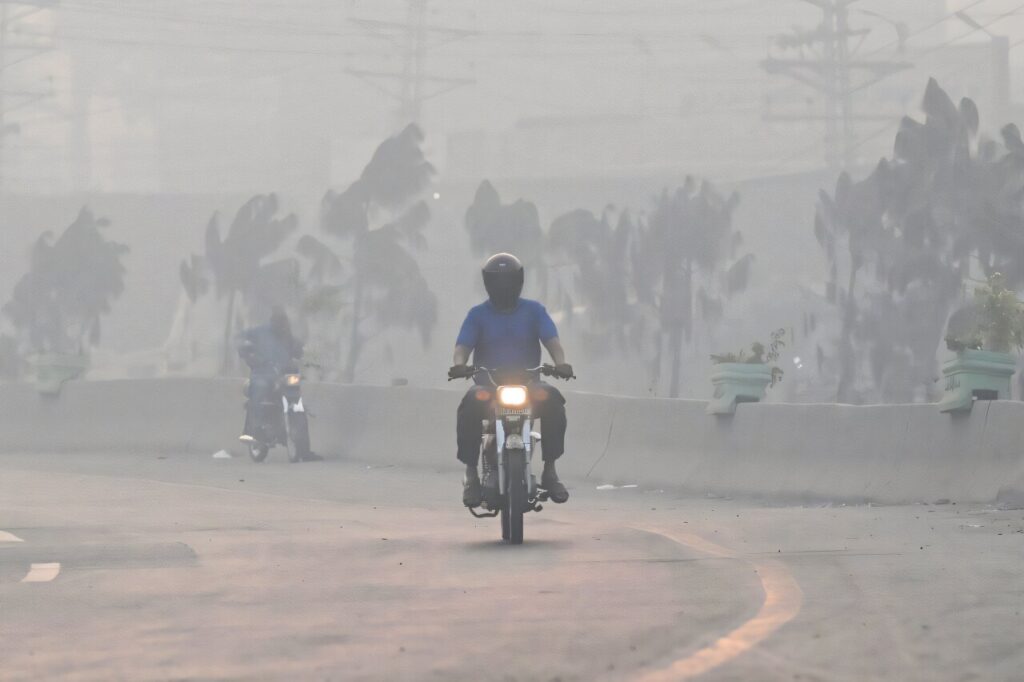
{"x":507,"y":340}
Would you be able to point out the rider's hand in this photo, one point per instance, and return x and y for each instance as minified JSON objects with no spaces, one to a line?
{"x":460,"y":372}
{"x":564,"y":371}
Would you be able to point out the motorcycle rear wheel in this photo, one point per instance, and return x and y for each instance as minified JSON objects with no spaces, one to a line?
{"x":516,"y":499}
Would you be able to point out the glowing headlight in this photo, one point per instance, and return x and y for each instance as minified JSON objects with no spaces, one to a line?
{"x":512,"y":396}
{"x":292,"y":380}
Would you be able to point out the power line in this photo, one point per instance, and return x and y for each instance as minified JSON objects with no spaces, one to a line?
{"x":825,"y":63}
{"x":809,"y":149}
{"x":117,"y":10}
{"x":105,"y":40}
{"x":927,"y":27}
{"x":412,"y":38}
{"x":973,"y":30}
{"x":902,"y":40}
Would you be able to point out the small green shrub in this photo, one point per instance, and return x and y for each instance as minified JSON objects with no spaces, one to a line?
{"x":1000,"y":322}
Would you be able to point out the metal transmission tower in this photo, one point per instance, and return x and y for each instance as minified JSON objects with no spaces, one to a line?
{"x":827,"y":63}
{"x":14,"y":51}
{"x":413,"y":39}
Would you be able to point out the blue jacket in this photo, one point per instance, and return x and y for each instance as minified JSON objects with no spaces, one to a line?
{"x":263,"y":350}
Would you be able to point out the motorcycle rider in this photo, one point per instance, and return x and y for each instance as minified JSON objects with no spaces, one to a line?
{"x":506,"y":332}
{"x":268,"y":349}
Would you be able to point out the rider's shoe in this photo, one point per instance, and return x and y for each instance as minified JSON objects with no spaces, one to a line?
{"x":246,"y":438}
{"x":471,"y":494}
{"x":557,"y":491}
{"x":312,"y":457}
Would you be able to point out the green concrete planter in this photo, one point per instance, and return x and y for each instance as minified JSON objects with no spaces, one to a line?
{"x":976,"y":374}
{"x":53,"y":369}
{"x":738,"y":382}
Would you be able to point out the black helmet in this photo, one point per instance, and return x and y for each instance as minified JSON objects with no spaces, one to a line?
{"x":503,"y":279}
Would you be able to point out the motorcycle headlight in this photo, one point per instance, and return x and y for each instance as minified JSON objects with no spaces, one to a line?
{"x":292,"y":380}
{"x":512,"y":396}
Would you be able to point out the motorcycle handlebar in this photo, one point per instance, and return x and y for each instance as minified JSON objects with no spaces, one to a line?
{"x":545,"y":369}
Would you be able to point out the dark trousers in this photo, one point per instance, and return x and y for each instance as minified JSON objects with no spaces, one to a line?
{"x":548,"y":406}
{"x":260,"y":391}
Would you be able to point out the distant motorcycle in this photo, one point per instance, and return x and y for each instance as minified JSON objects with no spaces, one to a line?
{"x":509,"y":442}
{"x":276,"y":416}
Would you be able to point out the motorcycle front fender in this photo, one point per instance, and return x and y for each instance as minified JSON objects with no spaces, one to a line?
{"x":292,"y":404}
{"x":501,"y":437}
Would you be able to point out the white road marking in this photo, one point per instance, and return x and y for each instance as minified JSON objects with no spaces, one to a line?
{"x":41,"y":573}
{"x":37,"y":573}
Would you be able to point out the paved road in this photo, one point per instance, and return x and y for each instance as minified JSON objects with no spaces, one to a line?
{"x":144,"y":567}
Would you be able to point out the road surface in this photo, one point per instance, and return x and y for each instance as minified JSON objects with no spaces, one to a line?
{"x":187,"y":567}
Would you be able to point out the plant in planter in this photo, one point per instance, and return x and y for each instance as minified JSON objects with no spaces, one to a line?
{"x":744,"y":378}
{"x":984,"y":364}
{"x":57,"y":305}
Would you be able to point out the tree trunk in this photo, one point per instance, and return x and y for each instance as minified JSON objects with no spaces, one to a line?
{"x":681,"y":325}
{"x":847,"y":361}
{"x":62,"y":342}
{"x":688,"y":294}
{"x":655,"y":366}
{"x":675,"y":348}
{"x":82,"y":331}
{"x":542,"y":277}
{"x":228,"y":364}
{"x":355,"y":343}
{"x":186,"y":334}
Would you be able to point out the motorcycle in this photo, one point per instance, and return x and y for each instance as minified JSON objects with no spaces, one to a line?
{"x":276,"y":416}
{"x":510,"y":440}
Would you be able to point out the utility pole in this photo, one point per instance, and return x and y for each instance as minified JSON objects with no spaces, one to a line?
{"x":5,"y":127}
{"x":11,"y":53}
{"x":410,"y":87}
{"x":827,"y":63}
{"x":999,"y":88}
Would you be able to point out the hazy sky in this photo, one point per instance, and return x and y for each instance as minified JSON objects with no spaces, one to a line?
{"x":224,"y":94}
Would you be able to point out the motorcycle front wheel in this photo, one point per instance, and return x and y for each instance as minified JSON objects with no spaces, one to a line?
{"x":258,"y":451}
{"x":298,"y":436}
{"x":516,"y":499}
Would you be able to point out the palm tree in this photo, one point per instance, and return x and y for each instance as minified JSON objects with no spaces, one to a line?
{"x":998,"y":212}
{"x":238,"y":263}
{"x":494,"y":227}
{"x":323,"y":303}
{"x":194,"y":274}
{"x":381,"y":217}
{"x":71,"y":284}
{"x":845,"y":227}
{"x":598,"y":254}
{"x":687,"y":257}
{"x":899,"y":244}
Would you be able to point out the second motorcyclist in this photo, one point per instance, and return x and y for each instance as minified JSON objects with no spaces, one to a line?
{"x":269,"y":350}
{"x":507,"y":331}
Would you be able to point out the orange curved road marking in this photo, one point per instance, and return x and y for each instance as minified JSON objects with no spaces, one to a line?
{"x":782,"y":601}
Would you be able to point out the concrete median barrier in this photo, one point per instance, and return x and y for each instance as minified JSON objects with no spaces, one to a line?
{"x":887,"y":454}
